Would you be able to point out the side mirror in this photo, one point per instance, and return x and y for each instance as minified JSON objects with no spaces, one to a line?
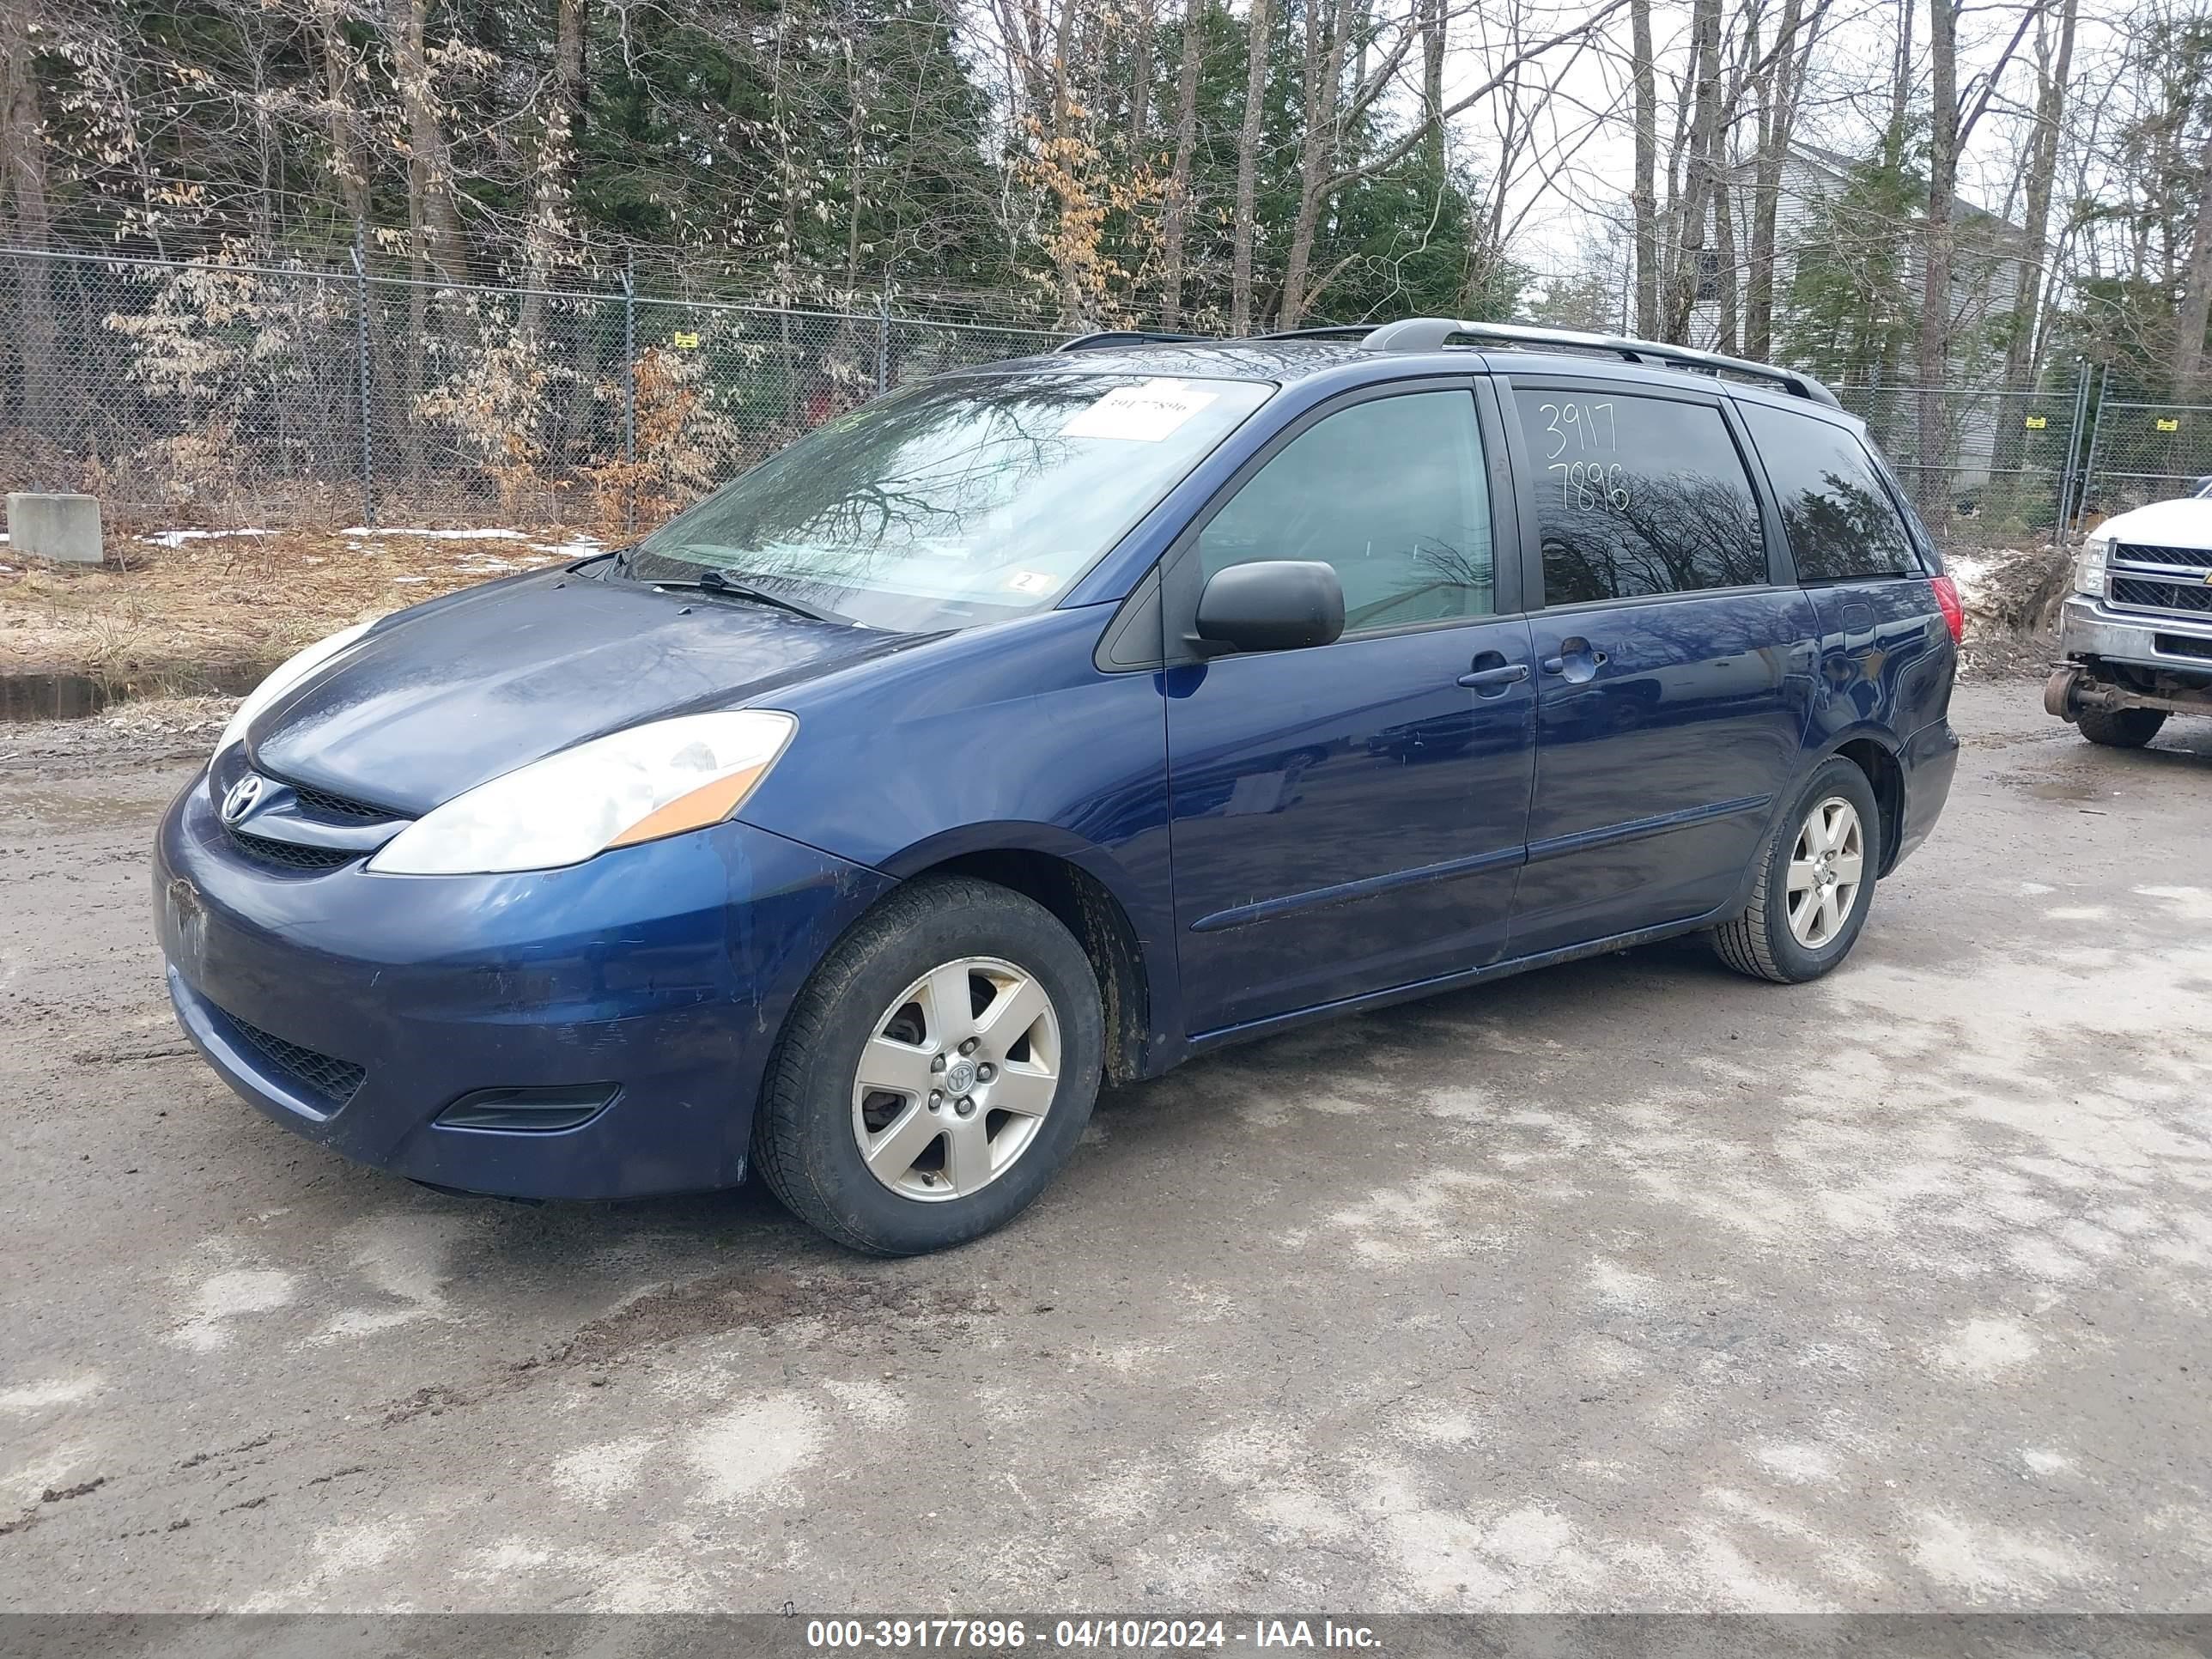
{"x":1272,"y":605}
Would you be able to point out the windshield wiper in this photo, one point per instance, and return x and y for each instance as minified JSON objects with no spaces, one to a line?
{"x":713,"y":581}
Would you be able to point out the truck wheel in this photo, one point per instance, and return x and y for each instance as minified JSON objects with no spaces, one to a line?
{"x":1815,"y":881}
{"x":2120,"y":728}
{"x":935,"y":1074}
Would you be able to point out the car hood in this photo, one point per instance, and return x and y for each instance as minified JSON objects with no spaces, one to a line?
{"x":438,"y":699}
{"x":2186,"y":523}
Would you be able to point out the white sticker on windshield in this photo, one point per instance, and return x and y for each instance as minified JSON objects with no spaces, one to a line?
{"x":1031,"y":581}
{"x":1142,"y":414}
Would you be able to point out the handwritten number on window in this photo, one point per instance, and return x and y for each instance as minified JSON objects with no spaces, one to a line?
{"x":1589,"y":481}
{"x":1587,"y":485}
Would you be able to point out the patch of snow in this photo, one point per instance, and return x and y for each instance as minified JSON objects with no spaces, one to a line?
{"x":178,"y":538}
{"x":1967,"y":571}
{"x":410,"y":579}
{"x":582,"y":547}
{"x":43,"y":1396}
{"x":477,"y":535}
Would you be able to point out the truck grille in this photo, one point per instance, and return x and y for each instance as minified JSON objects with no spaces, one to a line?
{"x":328,"y":1079}
{"x":2186,"y":558}
{"x":2144,"y":593}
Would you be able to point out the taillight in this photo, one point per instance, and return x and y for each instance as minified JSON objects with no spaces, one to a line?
{"x":1954,"y":615}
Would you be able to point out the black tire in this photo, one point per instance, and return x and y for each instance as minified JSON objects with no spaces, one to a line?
{"x":2120,"y":728}
{"x":1758,"y":942}
{"x":803,"y":1140}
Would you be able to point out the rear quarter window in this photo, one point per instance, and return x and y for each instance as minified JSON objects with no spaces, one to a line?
{"x":1637,"y":495}
{"x":1842,"y":524}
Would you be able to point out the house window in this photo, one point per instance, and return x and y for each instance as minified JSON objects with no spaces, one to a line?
{"x":1709,"y":276}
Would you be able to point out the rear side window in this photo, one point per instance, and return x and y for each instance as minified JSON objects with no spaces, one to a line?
{"x":1637,"y":495}
{"x":1391,"y":493}
{"x":1841,"y":521}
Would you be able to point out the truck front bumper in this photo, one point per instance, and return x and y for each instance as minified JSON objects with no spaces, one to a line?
{"x":2090,"y":628}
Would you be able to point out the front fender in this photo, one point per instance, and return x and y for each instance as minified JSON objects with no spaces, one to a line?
{"x":1007,"y":738}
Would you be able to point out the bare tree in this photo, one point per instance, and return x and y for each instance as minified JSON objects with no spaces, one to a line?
{"x":2055,"y":66}
{"x":1949,"y":126}
{"x":554,"y":161}
{"x":341,"y":113}
{"x":1701,"y":168}
{"x":1432,"y":19}
{"x":1140,"y":75}
{"x":1175,"y":216}
{"x":1247,"y":168}
{"x":2197,"y":289}
{"x":1328,"y":23}
{"x":23,"y":193}
{"x":1779,"y":90}
{"x":1645,"y":193}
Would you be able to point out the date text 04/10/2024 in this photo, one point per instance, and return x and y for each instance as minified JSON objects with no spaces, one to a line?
{"x":999,"y":1634}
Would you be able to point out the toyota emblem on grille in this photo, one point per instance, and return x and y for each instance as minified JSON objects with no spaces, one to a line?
{"x":240,"y":800}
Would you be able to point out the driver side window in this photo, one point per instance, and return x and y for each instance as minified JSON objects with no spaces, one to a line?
{"x":1392,"y":494}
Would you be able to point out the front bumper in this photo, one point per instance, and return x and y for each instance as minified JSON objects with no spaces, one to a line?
{"x":2091,"y":628}
{"x":353,"y":1008}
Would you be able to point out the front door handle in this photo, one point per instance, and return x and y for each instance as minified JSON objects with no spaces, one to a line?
{"x":1511,"y":674}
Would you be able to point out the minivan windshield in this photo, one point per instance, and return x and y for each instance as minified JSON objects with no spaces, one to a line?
{"x":961,"y":500}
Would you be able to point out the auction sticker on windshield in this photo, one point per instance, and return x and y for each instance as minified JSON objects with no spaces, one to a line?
{"x":1143,"y":414}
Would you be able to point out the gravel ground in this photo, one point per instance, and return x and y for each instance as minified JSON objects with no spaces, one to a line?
{"x":1631,"y":1285}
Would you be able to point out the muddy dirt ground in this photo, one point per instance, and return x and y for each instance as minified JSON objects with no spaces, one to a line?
{"x":1631,"y":1285}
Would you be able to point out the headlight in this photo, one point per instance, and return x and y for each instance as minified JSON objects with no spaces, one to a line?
{"x":639,"y":785}
{"x":2089,"y":568}
{"x":286,"y":675}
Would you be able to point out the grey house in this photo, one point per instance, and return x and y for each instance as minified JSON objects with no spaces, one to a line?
{"x":1987,"y":257}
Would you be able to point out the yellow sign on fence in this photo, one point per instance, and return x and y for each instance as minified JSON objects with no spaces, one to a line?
{"x":685,"y":340}
{"x":2166,"y":423}
{"x":2035,"y":424}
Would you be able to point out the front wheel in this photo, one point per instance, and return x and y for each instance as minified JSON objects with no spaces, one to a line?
{"x":1815,"y":881}
{"x":935,"y":1074}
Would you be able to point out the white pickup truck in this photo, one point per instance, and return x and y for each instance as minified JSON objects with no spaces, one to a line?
{"x":2135,"y":635}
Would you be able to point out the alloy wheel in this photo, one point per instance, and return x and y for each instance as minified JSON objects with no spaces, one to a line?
{"x":1827,"y":865}
{"x":956,"y":1078}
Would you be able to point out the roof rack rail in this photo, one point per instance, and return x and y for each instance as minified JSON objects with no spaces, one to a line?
{"x":1105,"y":339}
{"x":1431,"y":333}
{"x":1324,"y":331}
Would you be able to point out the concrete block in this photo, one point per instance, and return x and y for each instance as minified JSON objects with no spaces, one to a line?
{"x":65,"y":527}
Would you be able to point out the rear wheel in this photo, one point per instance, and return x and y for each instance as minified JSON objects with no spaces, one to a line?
{"x":1815,"y":881}
{"x":2120,"y":728}
{"x":935,"y":1074}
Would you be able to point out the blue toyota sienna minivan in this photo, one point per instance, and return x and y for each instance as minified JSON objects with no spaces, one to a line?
{"x":1046,"y":724}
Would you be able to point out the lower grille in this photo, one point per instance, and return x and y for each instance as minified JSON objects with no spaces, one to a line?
{"x":2181,"y":645}
{"x":325,"y":1076}
{"x":289,"y":855}
{"x":2149,"y":595}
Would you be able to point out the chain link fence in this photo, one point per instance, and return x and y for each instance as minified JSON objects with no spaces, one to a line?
{"x":231,"y":395}
{"x":2142,"y":452}
{"x":1993,"y":467}
{"x":234,"y":395}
